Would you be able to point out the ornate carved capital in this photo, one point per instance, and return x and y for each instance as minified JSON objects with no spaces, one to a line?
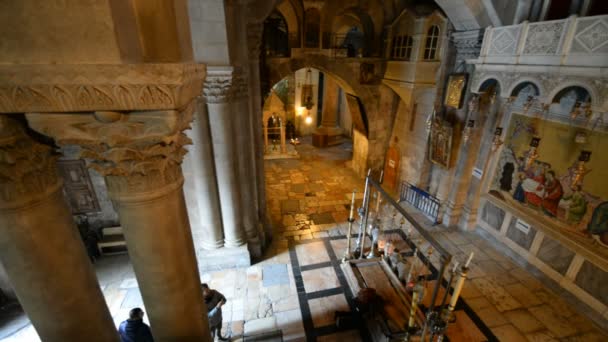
{"x":224,"y":84}
{"x":28,"y":168}
{"x":139,"y":153}
{"x":93,"y":87}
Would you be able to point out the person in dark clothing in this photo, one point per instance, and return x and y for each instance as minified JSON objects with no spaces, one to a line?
{"x":214,"y":301}
{"x":134,"y":329}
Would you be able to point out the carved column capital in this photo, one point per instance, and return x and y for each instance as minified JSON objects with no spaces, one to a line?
{"x":28,"y":168}
{"x":139,"y":153}
{"x":224,"y":84}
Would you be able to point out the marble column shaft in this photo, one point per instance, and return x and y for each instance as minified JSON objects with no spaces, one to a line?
{"x":219,"y":91}
{"x":201,"y":184}
{"x":144,"y":179}
{"x":254,"y":41}
{"x":41,"y":249}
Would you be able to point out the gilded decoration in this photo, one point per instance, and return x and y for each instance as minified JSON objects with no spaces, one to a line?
{"x":455,"y":90}
{"x":550,"y":186}
{"x":441,"y":143}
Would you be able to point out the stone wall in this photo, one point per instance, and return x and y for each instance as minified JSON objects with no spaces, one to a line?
{"x":360,"y":152}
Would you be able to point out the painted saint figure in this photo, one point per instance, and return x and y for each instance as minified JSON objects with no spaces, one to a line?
{"x":553,"y":194}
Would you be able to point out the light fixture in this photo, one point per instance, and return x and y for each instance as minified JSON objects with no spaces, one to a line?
{"x":581,"y":109}
{"x":468,"y":129}
{"x":496,"y":142}
{"x":299,"y":111}
{"x":580,"y":171}
{"x":532,"y":154}
{"x":306,"y":97}
{"x":308,"y":119}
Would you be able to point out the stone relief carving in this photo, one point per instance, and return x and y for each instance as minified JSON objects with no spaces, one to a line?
{"x":544,"y":38}
{"x":223,"y":85}
{"x":70,"y":88}
{"x":27,"y":167}
{"x":136,"y":152}
{"x":594,"y":36}
{"x":504,"y":40}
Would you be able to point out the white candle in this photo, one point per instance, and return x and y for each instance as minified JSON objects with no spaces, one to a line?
{"x":466,"y":265}
{"x":455,"y":267}
{"x":352,"y":207}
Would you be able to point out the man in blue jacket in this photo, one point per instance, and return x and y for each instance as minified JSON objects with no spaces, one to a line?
{"x":134,"y":329}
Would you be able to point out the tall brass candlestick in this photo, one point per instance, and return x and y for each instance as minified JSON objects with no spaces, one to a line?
{"x":351,"y":219}
{"x":462,"y":276}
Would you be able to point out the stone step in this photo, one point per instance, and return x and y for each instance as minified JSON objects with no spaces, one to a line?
{"x":112,"y":241}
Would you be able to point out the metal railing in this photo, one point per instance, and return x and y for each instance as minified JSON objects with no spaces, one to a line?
{"x":421,"y":200}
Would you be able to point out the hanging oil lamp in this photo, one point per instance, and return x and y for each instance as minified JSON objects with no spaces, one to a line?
{"x":496,"y":141}
{"x":529,"y":103}
{"x":581,"y":109}
{"x":580,"y":171}
{"x":532,"y":154}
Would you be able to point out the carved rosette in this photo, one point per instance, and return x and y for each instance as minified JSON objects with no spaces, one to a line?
{"x":223,"y":85}
{"x":28,"y":168}
{"x":139,"y":153}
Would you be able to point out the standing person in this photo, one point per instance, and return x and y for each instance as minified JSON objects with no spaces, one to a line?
{"x":134,"y":329}
{"x":214,"y":301}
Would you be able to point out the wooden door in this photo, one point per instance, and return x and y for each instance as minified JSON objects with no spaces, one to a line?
{"x":391,"y":168}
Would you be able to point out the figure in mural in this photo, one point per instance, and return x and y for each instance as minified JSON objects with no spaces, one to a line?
{"x":553,"y":193}
{"x":534,"y":183}
{"x":507,"y":177}
{"x":575,"y":204}
{"x":599,"y":223}
{"x":519,"y":194}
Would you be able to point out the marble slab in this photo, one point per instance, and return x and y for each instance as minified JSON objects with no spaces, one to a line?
{"x":492,"y":215}
{"x":593,"y":280}
{"x":554,"y":254}
{"x":522,"y":239}
{"x":275,"y":275}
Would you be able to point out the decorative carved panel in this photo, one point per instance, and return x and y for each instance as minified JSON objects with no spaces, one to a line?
{"x":77,"y":185}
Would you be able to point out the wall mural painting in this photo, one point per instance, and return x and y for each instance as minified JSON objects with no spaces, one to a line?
{"x":546,"y":184}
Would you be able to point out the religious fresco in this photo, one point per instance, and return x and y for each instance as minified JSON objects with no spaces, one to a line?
{"x":546,"y":180}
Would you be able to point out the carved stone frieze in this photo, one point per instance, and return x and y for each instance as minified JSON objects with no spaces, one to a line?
{"x":224,"y":84}
{"x":73,"y":88}
{"x":548,"y":83}
{"x":27,"y":168}
{"x":139,"y":153}
{"x":467,"y":43}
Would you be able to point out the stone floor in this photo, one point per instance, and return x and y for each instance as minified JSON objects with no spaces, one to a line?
{"x":298,"y":285}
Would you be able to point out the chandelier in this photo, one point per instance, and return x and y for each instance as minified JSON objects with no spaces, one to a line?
{"x":306,"y":96}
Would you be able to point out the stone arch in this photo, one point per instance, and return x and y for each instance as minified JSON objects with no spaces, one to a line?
{"x":291,"y":17}
{"x":487,"y":82}
{"x":595,"y":98}
{"x":522,"y":82}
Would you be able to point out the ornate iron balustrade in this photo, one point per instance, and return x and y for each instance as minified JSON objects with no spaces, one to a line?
{"x":421,"y":200}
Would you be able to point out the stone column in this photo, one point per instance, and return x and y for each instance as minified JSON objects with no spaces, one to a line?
{"x":219,"y":91}
{"x":283,"y":146}
{"x":265,"y":138}
{"x":40,"y":247}
{"x":246,"y":153}
{"x":140,"y":155}
{"x":254,"y":41}
{"x":200,"y":188}
{"x":329,"y":121}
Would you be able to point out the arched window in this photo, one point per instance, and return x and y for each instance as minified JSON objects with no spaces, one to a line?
{"x":432,"y":39}
{"x":402,"y":47}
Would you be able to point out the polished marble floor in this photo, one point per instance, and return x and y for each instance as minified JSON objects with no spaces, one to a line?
{"x":298,"y":286}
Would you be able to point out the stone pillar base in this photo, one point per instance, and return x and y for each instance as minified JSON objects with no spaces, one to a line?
{"x":468,"y":219}
{"x":327,"y":136}
{"x":222,"y":258}
{"x":452,"y":215}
